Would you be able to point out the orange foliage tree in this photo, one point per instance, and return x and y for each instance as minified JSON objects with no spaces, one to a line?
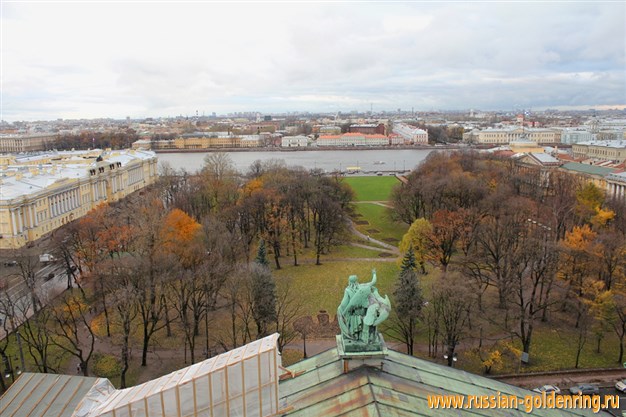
{"x":180,"y":236}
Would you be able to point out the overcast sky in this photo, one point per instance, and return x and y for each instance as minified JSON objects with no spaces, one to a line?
{"x":151,"y":59}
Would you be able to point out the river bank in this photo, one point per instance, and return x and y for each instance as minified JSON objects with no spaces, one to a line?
{"x":313,"y":149}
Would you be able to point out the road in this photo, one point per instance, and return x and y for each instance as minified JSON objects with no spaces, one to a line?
{"x":621,"y":411}
{"x":17,"y":292}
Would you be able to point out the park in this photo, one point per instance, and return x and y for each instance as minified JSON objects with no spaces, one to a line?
{"x":163,"y":286}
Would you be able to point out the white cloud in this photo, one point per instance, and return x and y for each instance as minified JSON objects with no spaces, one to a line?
{"x":152,"y":59}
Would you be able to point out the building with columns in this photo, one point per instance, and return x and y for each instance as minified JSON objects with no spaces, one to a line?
{"x":608,"y":150}
{"x":41,"y":193}
{"x":616,"y":186}
{"x":506,"y":135}
{"x":27,"y":143}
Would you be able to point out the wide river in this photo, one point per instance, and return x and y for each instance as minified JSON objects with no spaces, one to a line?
{"x":386,"y":160}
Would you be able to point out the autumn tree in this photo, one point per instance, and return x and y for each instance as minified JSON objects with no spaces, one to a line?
{"x":451,"y":307}
{"x":27,"y":267}
{"x":577,"y":265}
{"x":532,"y":275}
{"x":126,"y":297}
{"x":91,"y":250}
{"x":409,"y":200}
{"x":288,"y":307}
{"x":64,"y":240}
{"x":417,"y":240}
{"x":611,"y":251}
{"x":182,"y":239}
{"x":237,"y":295}
{"x":219,"y":263}
{"x":72,"y":329}
{"x":447,"y":227}
{"x":153,"y":269}
{"x":220,"y":183}
{"x":328,"y":207}
{"x":611,"y":308}
{"x":33,"y":331}
{"x":494,"y":256}
{"x":561,"y":201}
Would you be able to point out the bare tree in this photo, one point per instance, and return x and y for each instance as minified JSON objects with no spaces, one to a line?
{"x":126,"y":306}
{"x":288,"y":308}
{"x":532,"y":276}
{"x":72,"y":329}
{"x":451,"y":307}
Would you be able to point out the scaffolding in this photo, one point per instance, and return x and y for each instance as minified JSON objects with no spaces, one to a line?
{"x":241,"y":382}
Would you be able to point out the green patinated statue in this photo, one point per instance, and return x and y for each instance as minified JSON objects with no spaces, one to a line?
{"x":361,"y":311}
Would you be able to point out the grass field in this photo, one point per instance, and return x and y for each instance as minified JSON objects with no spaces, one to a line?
{"x":554,"y":349}
{"x":379,"y":224}
{"x":320,"y":287}
{"x":372,"y":188}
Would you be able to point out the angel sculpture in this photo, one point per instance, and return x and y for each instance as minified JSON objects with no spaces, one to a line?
{"x":362,"y":310}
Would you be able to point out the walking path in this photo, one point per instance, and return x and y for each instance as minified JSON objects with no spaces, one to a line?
{"x":390,"y":248}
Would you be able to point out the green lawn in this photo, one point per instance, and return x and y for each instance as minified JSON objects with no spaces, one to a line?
{"x":372,"y":188}
{"x":555,"y":349}
{"x":320,"y":287}
{"x":379,"y":224}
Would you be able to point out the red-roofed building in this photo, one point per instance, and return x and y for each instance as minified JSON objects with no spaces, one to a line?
{"x":353,"y":140}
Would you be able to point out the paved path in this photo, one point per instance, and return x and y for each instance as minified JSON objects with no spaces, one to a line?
{"x":390,"y":248}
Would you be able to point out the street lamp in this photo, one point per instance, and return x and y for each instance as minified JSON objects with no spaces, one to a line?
{"x":454,"y":358}
{"x":8,"y":368}
{"x":18,"y":336}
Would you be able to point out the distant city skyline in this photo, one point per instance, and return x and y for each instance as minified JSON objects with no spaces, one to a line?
{"x":75,"y":60}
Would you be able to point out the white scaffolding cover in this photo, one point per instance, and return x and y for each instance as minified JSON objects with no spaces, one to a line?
{"x":241,"y":382}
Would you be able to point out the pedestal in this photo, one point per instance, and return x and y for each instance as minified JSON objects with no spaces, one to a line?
{"x":356,"y":348}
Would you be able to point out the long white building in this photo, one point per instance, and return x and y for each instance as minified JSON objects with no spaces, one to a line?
{"x":504,"y":136}
{"x":353,"y":140}
{"x":411,"y":134}
{"x":40,"y":193}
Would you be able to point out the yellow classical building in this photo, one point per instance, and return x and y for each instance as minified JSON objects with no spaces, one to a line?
{"x":40,"y":193}
{"x":609,"y":150}
{"x":27,"y":143}
{"x":505,"y":136}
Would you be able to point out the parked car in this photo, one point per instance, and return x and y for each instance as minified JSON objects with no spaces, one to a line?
{"x":548,"y":389}
{"x":46,"y":257}
{"x":584,"y":389}
{"x":621,"y":385}
{"x":10,"y":263}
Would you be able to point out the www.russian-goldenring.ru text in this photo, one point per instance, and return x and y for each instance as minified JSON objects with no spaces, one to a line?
{"x":527,"y":403}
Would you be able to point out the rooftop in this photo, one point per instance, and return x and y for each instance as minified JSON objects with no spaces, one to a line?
{"x":587,"y":169}
{"x":250,"y":381}
{"x":545,"y":158}
{"x":22,"y":175}
{"x":620,"y":144}
{"x":393,"y":385}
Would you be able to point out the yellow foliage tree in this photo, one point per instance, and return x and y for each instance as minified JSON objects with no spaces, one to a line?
{"x":417,"y":237}
{"x":602,"y":217}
